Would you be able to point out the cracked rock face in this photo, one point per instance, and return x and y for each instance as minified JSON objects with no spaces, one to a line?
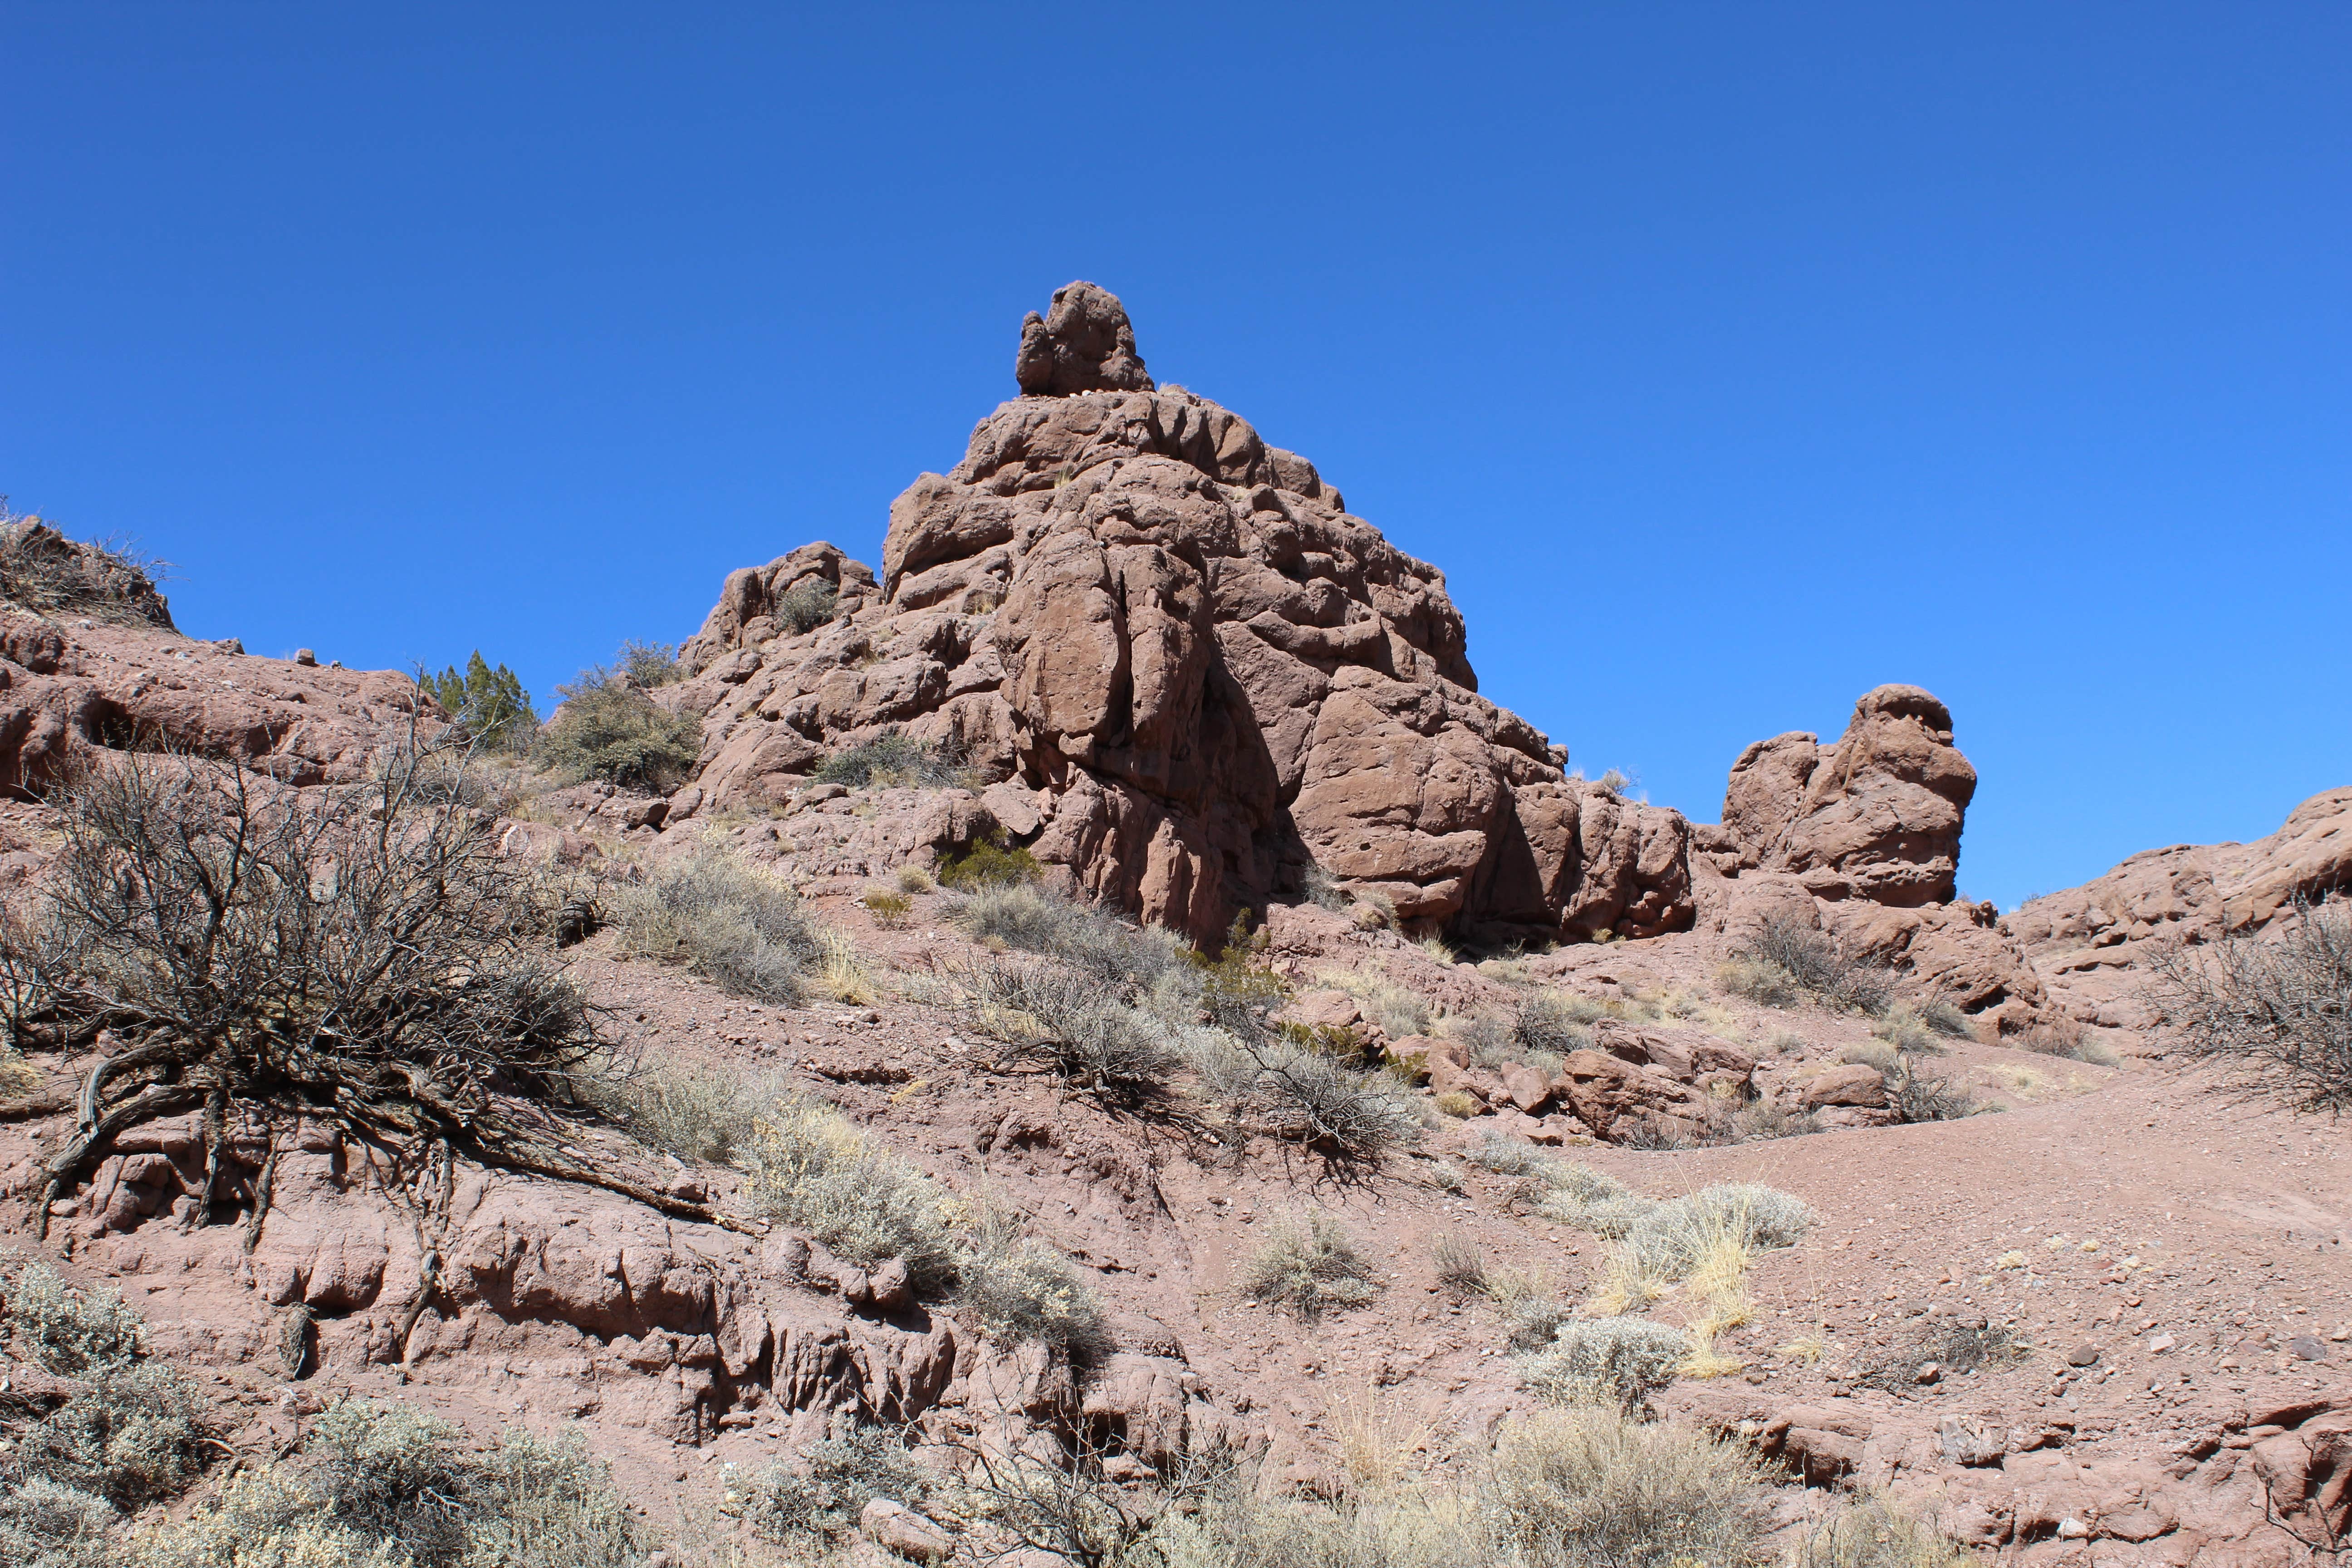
{"x":1172,"y":646}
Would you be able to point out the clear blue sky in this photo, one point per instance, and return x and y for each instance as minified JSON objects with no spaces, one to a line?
{"x":1730,"y":359}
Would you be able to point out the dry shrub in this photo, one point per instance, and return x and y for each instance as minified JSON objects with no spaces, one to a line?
{"x":735,"y":925}
{"x":1095,"y":943}
{"x":608,"y":728}
{"x":812,"y":1170}
{"x":1309,"y":1266}
{"x":391,"y":1486}
{"x":1458,"y":1104}
{"x":819,"y":1500}
{"x":1399,"y":1011}
{"x":44,"y":1525}
{"x":1018,"y":1288}
{"x":49,"y":574}
{"x":806,"y":606}
{"x":645,"y":665}
{"x":63,"y":1330}
{"x":1813,"y":963}
{"x":1770,"y":1119}
{"x":893,"y":758}
{"x":694,"y":1112}
{"x":2065,"y":1038}
{"x":1954,"y":1344}
{"x":251,"y":944}
{"x":1943,"y":1016}
{"x":1763,"y":983}
{"x":915,"y":880}
{"x":1460,"y":1268}
{"x":1617,"y":1362}
{"x":1903,"y":1027}
{"x":130,"y":1434}
{"x":1592,"y":1488}
{"x":891,"y":910}
{"x":1872,"y":1532}
{"x":1073,"y":1023}
{"x":983,"y":863}
{"x":1916,"y":1096}
{"x":1300,"y":1095}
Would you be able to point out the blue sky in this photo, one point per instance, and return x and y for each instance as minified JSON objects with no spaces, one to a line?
{"x":1729,"y":358}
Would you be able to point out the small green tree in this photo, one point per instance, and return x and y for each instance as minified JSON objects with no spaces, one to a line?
{"x":490,"y":703}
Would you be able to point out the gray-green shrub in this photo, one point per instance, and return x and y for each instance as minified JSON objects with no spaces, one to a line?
{"x":819,"y":1501}
{"x":1613,"y":1361}
{"x":1307,"y":1267}
{"x":608,"y":729}
{"x":892,"y":757}
{"x":739,"y":927}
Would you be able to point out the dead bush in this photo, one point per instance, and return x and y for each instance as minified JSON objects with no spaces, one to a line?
{"x":723,"y":918}
{"x":608,"y":728}
{"x":2065,"y":1038}
{"x":244,"y":942}
{"x":1460,"y":1269}
{"x":1074,"y":1023}
{"x":1593,"y":1489}
{"x":1813,"y":962}
{"x":1914,"y":1095}
{"x":1902,"y":1026}
{"x":1954,"y":1344}
{"x":1308,"y":1265}
{"x":1305,"y":1097}
{"x":1943,"y":1016}
{"x":1548,"y":1023}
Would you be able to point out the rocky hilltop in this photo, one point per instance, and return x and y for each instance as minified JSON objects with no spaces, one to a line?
{"x":2105,"y":1325}
{"x":1183,"y":670}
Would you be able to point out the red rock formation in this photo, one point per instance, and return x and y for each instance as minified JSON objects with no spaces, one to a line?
{"x":1171,"y":648}
{"x":110,"y":672}
{"x":1863,"y":838}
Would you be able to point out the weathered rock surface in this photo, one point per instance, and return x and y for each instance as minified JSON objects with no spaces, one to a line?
{"x":1198,"y":675}
{"x":1861,"y":841}
{"x":114,"y":675}
{"x":2095,"y":942}
{"x":1875,"y":817}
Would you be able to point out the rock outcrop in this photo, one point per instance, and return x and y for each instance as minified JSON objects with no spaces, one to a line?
{"x":1862,"y":840}
{"x":1875,"y":817}
{"x":1182,"y":669}
{"x":99,"y":666}
{"x":2095,"y":942}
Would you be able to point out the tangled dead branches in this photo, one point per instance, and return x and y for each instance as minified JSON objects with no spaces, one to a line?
{"x":2271,"y":1012}
{"x":360,"y":954}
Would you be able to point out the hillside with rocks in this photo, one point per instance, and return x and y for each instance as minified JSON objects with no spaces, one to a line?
{"x":930,"y":1095}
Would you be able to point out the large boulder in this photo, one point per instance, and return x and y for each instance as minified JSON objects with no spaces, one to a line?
{"x":1198,"y":674}
{"x":1875,"y":817}
{"x":1861,"y":841}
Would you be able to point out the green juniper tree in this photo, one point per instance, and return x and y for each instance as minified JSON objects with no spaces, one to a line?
{"x":490,"y":703}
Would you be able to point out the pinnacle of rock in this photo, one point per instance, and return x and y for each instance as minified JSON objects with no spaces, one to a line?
{"x":1083,"y":343}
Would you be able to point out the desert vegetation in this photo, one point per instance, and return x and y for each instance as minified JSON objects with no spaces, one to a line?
{"x":488,"y":704}
{"x":610,"y":728}
{"x":1783,"y":961}
{"x":735,"y":925}
{"x":243,"y":945}
{"x":892,"y":758}
{"x":2271,"y":1013}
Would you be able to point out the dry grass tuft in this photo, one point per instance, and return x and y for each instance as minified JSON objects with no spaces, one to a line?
{"x":1308,"y":1267}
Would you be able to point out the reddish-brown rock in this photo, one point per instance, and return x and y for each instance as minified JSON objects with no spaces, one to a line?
{"x":1875,"y":817}
{"x":1198,"y":673}
{"x":112,"y":673}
